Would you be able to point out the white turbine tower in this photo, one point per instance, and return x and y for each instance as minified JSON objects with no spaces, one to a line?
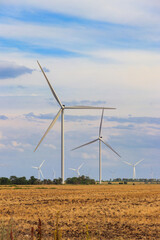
{"x":61,"y":111}
{"x":134,"y":167}
{"x":77,"y":170}
{"x":100,"y":139}
{"x":39,"y":170}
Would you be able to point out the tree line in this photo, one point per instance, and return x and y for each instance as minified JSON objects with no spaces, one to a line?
{"x":145,"y":180}
{"x":13,"y":180}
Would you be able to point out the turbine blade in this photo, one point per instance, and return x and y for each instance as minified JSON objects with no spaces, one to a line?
{"x":52,"y":90}
{"x":128,"y":163}
{"x":139,"y":162}
{"x":109,"y":147}
{"x":87,"y":107}
{"x":35,"y":167}
{"x":41,"y":164}
{"x":100,"y":127}
{"x":78,"y":173}
{"x":85,"y":144}
{"x":80,"y":166}
{"x":41,"y":173}
{"x":72,"y":169}
{"x":50,"y":126}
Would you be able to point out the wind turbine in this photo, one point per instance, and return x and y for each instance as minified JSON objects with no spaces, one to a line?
{"x":134,"y":167}
{"x":54,"y":174}
{"x":100,"y":139}
{"x":77,"y":170}
{"x":40,"y":171}
{"x":61,"y":111}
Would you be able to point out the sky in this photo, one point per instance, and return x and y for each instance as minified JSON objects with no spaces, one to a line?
{"x":99,"y":53}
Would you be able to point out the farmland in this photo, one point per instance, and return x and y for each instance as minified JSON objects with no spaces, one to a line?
{"x":107,"y":211}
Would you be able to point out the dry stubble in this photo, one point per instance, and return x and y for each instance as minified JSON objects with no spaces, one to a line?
{"x":110,"y":211}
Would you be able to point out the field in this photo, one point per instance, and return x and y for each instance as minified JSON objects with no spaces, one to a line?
{"x":84,"y":212}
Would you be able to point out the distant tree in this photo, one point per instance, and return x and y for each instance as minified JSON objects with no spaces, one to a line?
{"x":47,"y":181}
{"x":4,"y":181}
{"x":117,"y":180}
{"x":13,"y":179}
{"x":57,"y":181}
{"x":22,"y":181}
{"x":32,"y":180}
{"x":18,"y":181}
{"x":80,"y":180}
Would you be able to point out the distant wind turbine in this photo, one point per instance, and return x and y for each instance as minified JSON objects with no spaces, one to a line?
{"x":100,"y":139}
{"x":134,"y":167}
{"x":39,"y":170}
{"x":77,"y":170}
{"x":54,"y":174}
{"x":61,"y":111}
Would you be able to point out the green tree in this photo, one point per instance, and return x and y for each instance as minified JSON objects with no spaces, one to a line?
{"x":4,"y":181}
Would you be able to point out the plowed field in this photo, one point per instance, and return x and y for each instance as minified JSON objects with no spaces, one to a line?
{"x":109,"y":211}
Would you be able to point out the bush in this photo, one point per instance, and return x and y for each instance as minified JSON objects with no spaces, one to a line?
{"x":80,"y":180}
{"x":57,"y":181}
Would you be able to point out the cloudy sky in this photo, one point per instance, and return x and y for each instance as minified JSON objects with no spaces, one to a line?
{"x":100,"y":53}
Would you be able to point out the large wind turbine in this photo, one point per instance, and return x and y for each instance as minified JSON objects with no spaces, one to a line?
{"x":39,"y":170}
{"x":100,"y":139}
{"x":61,"y":111}
{"x":134,"y":167}
{"x":77,"y":170}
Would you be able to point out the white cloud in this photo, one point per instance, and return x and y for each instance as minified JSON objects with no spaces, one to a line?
{"x":89,"y":156}
{"x":108,"y":163}
{"x":2,"y":146}
{"x":62,"y":37}
{"x":50,"y":146}
{"x":1,"y":135}
{"x":129,"y":56}
{"x":134,"y":12}
{"x":15,"y":144}
{"x":109,"y":154}
{"x":20,"y":145}
{"x":20,"y":149}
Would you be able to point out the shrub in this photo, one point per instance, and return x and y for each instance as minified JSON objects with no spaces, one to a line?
{"x":80,"y":180}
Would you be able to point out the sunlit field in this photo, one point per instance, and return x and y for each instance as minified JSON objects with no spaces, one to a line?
{"x":82,"y":212}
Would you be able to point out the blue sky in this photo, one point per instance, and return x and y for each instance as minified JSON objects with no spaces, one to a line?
{"x":94,"y":53}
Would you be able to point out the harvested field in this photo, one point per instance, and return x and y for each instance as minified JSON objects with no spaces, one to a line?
{"x":109,"y":211}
